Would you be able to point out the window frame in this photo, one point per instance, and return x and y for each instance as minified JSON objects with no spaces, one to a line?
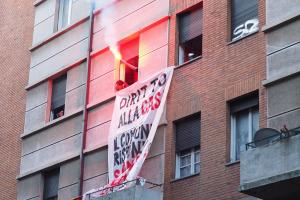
{"x":192,"y":152}
{"x":233,"y":132}
{"x":49,"y":111}
{"x":59,"y":16}
{"x":179,"y":50}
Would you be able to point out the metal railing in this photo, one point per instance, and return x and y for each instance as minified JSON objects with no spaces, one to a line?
{"x":275,"y":138}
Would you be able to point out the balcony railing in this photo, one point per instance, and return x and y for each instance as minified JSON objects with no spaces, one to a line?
{"x":275,"y":138}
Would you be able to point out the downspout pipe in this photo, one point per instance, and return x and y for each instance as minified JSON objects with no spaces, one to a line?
{"x":86,"y":95}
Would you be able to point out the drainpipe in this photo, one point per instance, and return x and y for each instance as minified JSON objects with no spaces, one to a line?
{"x":86,"y":95}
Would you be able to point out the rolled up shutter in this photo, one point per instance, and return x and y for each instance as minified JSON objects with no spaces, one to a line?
{"x":188,"y":133}
{"x":244,"y":103}
{"x":190,"y":25}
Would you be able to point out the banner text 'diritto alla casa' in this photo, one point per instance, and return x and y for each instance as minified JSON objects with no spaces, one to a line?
{"x":136,"y":115}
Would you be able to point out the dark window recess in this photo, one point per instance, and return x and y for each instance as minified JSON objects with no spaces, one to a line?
{"x":244,"y":18}
{"x":58,"y":97}
{"x":51,"y":185}
{"x":187,"y":133}
{"x":190,"y":35}
{"x":127,"y":69}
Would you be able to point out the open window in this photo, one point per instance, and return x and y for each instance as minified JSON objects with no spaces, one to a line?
{"x":58,"y":97}
{"x":127,"y":68}
{"x":190,"y":35}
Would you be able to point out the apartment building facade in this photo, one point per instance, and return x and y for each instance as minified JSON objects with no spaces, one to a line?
{"x":220,"y":95}
{"x":16,"y":21}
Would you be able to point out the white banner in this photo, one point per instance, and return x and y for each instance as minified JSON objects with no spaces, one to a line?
{"x":136,"y":115}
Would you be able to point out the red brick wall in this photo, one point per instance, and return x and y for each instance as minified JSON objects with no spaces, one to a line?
{"x":16,"y":25}
{"x":226,"y":71}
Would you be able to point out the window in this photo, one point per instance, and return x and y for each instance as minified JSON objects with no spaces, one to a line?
{"x":51,"y":185}
{"x":244,"y":18}
{"x":127,"y":67}
{"x":187,"y":146}
{"x":244,"y":123}
{"x":58,"y":97}
{"x":64,"y":13}
{"x":190,"y":35}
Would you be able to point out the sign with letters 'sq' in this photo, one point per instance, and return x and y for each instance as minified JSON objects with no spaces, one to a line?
{"x":136,"y":115}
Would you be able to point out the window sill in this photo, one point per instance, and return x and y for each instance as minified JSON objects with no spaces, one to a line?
{"x":188,"y":62}
{"x":183,"y":178}
{"x":230,"y":163}
{"x":235,"y":41}
{"x":52,"y":123}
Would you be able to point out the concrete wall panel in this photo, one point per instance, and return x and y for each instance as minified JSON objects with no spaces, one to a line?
{"x":51,"y":135}
{"x":95,"y":164}
{"x":275,"y":8}
{"x":287,"y":119}
{"x":284,"y":62}
{"x":37,"y":96}
{"x":69,"y":173}
{"x":50,"y":155}
{"x":100,"y":115}
{"x":97,"y":136}
{"x":58,"y":62}
{"x":119,"y":10}
{"x":102,"y":88}
{"x":158,"y":145}
{"x":153,"y":62}
{"x":149,"y":43}
{"x":43,"y":30}
{"x":59,"y":44}
{"x":153,"y":169}
{"x":74,"y":100}
{"x":44,"y":11}
{"x":80,"y":10}
{"x":284,"y":96}
{"x":29,"y":187}
{"x":68,"y":193}
{"x":102,"y":64}
{"x":95,"y":183}
{"x":76,"y":77}
{"x":283,"y":37}
{"x":142,"y":17}
{"x":35,"y":118}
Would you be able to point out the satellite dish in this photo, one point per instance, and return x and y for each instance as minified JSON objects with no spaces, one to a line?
{"x":266,"y":136}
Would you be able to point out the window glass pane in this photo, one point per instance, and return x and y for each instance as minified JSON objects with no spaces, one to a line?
{"x":185,"y":160}
{"x":242,"y":129}
{"x":185,"y":171}
{"x":197,"y":168}
{"x":255,"y":120}
{"x":244,"y":18}
{"x":197,"y":157}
